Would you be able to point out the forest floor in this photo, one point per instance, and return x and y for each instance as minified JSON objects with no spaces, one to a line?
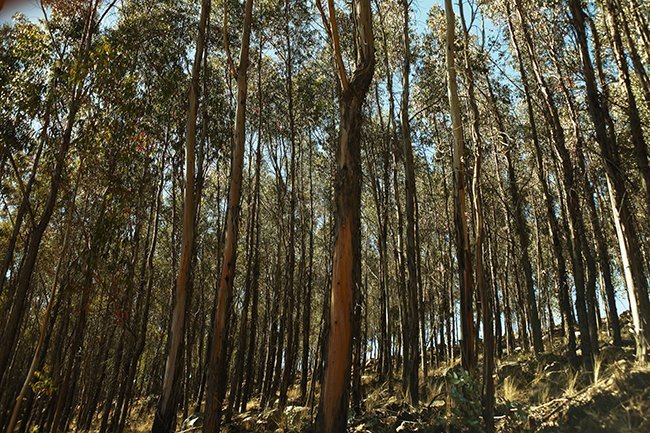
{"x":533,"y":394}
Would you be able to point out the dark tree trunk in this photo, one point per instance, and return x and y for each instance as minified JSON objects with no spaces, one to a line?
{"x":626,"y":226}
{"x":564,"y":297}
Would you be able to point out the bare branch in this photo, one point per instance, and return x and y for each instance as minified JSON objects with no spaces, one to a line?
{"x":333,"y":33}
{"x":226,"y":43}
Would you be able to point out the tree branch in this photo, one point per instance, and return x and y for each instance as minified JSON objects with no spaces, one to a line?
{"x":226,"y":43}
{"x":332,"y":31}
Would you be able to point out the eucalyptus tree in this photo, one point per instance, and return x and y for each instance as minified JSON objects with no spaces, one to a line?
{"x":165,"y":418}
{"x":217,"y":368}
{"x":469,"y":357}
{"x":346,"y":264}
{"x":626,"y":227}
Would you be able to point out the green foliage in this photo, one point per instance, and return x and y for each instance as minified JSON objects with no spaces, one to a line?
{"x":43,"y":384}
{"x":465,"y":398}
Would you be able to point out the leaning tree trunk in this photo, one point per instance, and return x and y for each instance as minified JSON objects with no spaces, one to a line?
{"x":626,"y":227}
{"x":45,"y":324}
{"x":636,"y":131}
{"x":22,"y":209}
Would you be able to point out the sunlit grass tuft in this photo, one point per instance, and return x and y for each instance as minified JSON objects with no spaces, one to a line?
{"x":598,"y":362}
{"x":572,"y":381}
{"x":510,"y":390}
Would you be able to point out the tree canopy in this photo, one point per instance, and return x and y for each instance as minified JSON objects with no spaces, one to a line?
{"x":215,"y":208}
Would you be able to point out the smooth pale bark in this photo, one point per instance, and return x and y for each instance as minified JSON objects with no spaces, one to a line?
{"x":217,"y":370}
{"x":165,"y":418}
{"x":346,"y":264}
{"x":468,"y":351}
{"x":482,"y":287}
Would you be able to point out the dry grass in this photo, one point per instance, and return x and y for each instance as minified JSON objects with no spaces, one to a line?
{"x":140,"y":424}
{"x":510,"y":390}
{"x":598,"y":363}
{"x":571,"y":382}
{"x":377,"y":398}
{"x":543,"y":393}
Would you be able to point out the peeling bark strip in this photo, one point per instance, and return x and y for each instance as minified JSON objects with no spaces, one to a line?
{"x":218,"y":368}
{"x":346,"y":266}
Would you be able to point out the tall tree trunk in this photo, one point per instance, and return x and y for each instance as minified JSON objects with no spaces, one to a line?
{"x":165,"y":418}
{"x":481,"y":283}
{"x":346,"y":264}
{"x":146,"y":286}
{"x":636,"y":280}
{"x":412,"y":356}
{"x":289,"y":358}
{"x":564,"y":293}
{"x":306,"y":317}
{"x":248,"y":376}
{"x":387,"y":133}
{"x":216,"y":383}
{"x":517,"y":202}
{"x":468,"y":351}
{"x":589,"y":199}
{"x":585,"y":288}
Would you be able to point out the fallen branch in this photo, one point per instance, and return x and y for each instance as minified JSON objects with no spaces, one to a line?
{"x":191,"y":429}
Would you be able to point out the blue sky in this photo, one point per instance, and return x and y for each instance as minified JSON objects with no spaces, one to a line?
{"x":31,"y":8}
{"x":421,"y":11}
